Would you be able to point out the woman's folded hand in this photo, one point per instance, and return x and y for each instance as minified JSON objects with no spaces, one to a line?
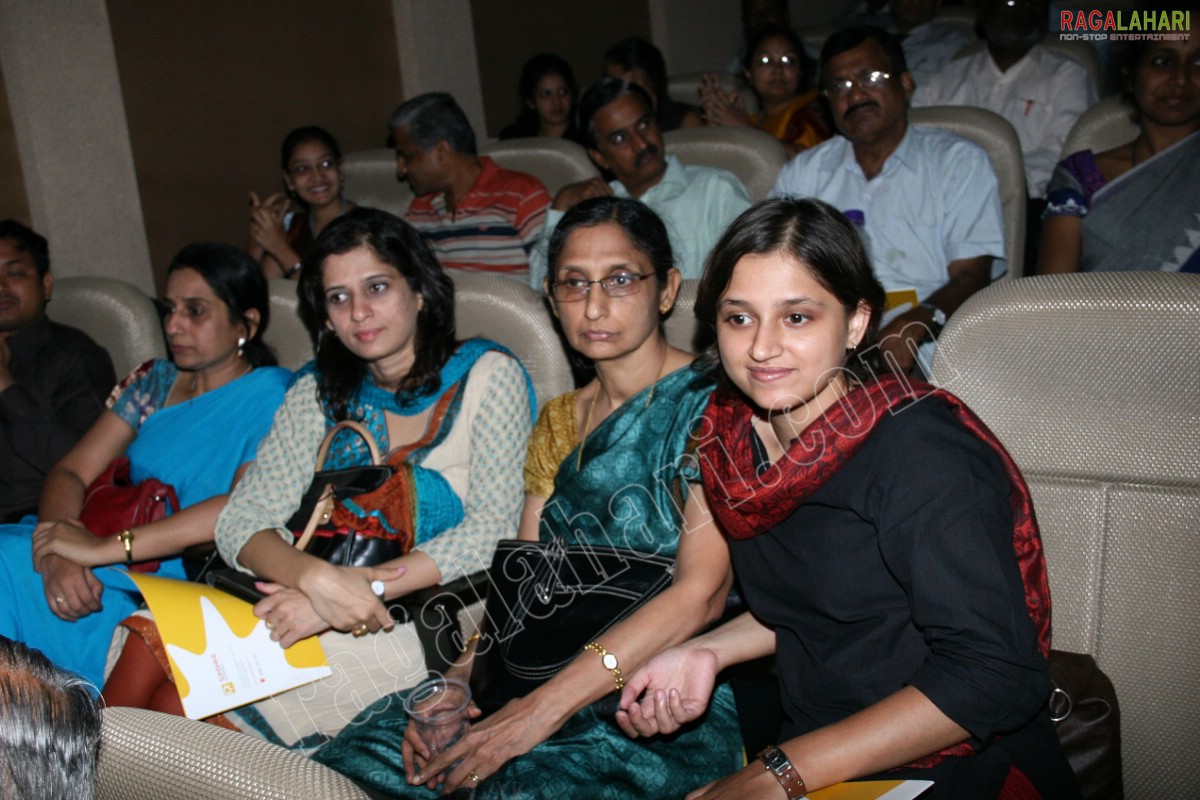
{"x":69,"y":539}
{"x":674,"y":686}
{"x":342,"y":596}
{"x":288,"y":613}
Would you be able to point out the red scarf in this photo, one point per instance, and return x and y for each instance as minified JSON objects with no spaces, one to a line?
{"x":747,"y":504}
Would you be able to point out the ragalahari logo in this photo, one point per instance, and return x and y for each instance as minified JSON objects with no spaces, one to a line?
{"x":1125,"y":25}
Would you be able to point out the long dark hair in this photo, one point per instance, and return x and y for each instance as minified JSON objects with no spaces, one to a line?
{"x":237,"y":281}
{"x":817,"y":235}
{"x":396,"y":243}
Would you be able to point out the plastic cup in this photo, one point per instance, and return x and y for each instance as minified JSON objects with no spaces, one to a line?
{"x":438,"y":707}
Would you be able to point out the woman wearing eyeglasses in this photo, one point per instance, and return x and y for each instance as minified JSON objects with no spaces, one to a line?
{"x":604,"y":468}
{"x":283,"y":227}
{"x":774,"y":70}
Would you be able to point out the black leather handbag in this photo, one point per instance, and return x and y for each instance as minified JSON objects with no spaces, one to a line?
{"x":545,"y":601}
{"x":311,"y":522}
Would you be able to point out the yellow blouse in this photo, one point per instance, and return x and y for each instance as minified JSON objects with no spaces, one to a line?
{"x":554,"y":436}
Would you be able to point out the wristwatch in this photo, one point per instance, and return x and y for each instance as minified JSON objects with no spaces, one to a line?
{"x":939,"y":317}
{"x":778,"y":764}
{"x":609,"y":661}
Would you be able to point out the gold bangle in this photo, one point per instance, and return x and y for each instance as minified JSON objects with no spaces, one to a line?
{"x":126,"y":537}
{"x":609,"y":660}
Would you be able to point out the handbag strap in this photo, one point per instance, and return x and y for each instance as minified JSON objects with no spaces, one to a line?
{"x":358,"y":428}
{"x":324,"y":505}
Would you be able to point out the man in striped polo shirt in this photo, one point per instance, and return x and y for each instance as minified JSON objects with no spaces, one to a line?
{"x":475,"y":215}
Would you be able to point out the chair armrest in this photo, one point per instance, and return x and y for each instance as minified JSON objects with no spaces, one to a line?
{"x":145,"y":755}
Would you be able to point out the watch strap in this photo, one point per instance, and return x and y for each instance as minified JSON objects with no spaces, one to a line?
{"x":779,"y":765}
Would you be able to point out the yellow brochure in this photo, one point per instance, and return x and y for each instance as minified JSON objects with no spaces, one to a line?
{"x":871,"y":790}
{"x":221,"y":654}
{"x":901,"y":297}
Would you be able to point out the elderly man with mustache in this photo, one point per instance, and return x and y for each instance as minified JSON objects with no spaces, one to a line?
{"x":696,"y":203}
{"x":929,"y":200}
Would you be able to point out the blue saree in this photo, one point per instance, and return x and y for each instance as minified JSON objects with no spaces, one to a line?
{"x":196,"y":446}
{"x":624,"y":489}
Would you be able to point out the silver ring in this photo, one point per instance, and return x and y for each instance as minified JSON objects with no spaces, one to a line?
{"x":378,"y":588}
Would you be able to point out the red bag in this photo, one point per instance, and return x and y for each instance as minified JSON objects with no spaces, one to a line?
{"x":113,"y":503}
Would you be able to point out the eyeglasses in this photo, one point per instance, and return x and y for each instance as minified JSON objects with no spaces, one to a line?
{"x":783,"y":61}
{"x":864,"y":79}
{"x":620,"y":285}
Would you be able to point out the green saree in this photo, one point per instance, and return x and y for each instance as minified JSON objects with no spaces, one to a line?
{"x":625,"y":489}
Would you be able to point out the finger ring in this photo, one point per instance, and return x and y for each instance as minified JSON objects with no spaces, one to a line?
{"x":360,"y":629}
{"x":270,"y":627}
{"x":473,"y":778}
{"x":60,"y":599}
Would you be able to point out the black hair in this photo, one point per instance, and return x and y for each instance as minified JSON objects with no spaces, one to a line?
{"x":645,"y":230}
{"x":600,"y":94}
{"x":237,"y":281}
{"x":435,"y":117}
{"x":819,"y":236}
{"x":49,"y":728}
{"x":784,"y":32}
{"x":637,"y":53}
{"x":396,"y":243}
{"x":308,"y":133}
{"x":849,"y":38}
{"x":540,"y":66}
{"x":28,"y":241}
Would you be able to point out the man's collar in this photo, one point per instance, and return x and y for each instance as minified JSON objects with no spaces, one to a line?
{"x":903,"y":155}
{"x":673,"y":175}
{"x":33,"y":333}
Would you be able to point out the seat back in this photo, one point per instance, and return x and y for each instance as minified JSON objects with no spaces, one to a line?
{"x":286,"y":334}
{"x":371,"y":180}
{"x":371,"y":174}
{"x":554,"y":162}
{"x":1106,"y":125}
{"x":145,"y":755}
{"x":513,"y":314}
{"x":685,"y":88}
{"x":682,"y":329}
{"x":1084,"y":380}
{"x":120,"y":317}
{"x":755,"y":157}
{"x":996,"y":136}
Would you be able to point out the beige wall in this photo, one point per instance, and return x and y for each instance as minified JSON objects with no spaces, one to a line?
{"x":211,"y":89}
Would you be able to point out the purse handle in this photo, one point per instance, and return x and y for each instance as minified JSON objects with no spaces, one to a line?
{"x":358,"y":428}
{"x":323,"y":509}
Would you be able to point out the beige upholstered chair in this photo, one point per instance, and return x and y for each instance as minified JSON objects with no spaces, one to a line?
{"x":1106,"y":125}
{"x":753,"y":156}
{"x":555,"y":162}
{"x":1088,"y":382}
{"x":511,"y":313}
{"x":685,"y":88}
{"x":995,"y":135}
{"x":682,"y":329}
{"x":371,"y":180}
{"x":120,"y":317}
{"x":145,"y":755}
{"x":286,"y":334}
{"x":371,"y":174}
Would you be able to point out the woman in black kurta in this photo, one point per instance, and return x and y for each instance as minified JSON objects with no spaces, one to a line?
{"x":883,"y":539}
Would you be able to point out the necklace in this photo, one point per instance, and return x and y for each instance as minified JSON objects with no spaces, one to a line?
{"x":587,"y":422}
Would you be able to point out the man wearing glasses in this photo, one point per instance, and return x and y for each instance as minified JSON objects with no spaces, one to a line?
{"x":696,"y":203}
{"x":929,"y":201}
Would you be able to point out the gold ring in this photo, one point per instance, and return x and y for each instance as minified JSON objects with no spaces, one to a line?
{"x":270,"y":627}
{"x":473,"y":778}
{"x":360,"y":629}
